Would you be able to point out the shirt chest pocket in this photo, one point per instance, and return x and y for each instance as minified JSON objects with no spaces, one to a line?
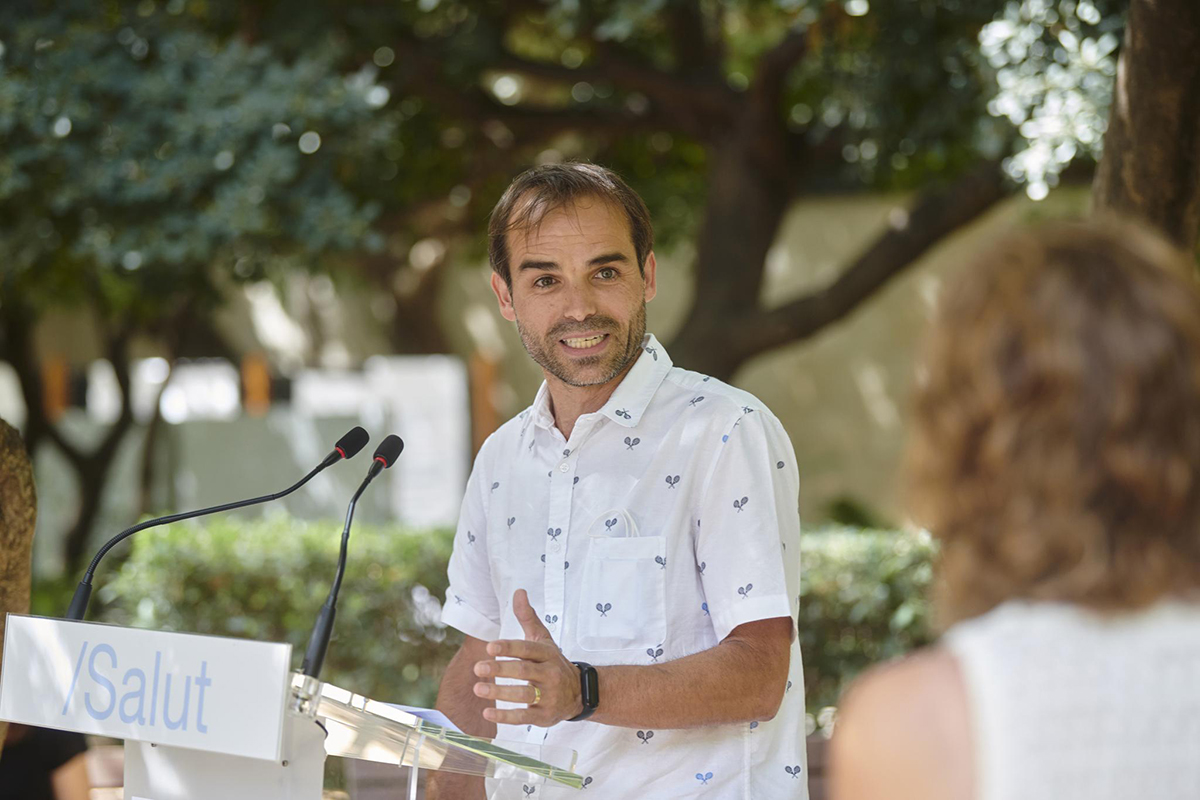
{"x":622,"y":597}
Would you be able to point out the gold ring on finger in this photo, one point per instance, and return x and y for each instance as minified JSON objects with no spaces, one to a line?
{"x":537,"y":696}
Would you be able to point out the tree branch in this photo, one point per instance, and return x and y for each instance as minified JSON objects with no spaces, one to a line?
{"x":697,"y":103}
{"x":695,"y":51}
{"x":425,"y":63}
{"x":934,"y":215}
{"x":18,"y":324}
{"x":118,"y":356}
{"x":541,"y":122}
{"x":778,"y":61}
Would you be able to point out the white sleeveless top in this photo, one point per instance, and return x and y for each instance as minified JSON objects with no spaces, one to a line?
{"x":1066,"y":703}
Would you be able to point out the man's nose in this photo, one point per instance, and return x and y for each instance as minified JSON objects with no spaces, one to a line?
{"x":581,"y":302}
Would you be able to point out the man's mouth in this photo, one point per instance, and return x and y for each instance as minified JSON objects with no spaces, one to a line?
{"x":584,"y":342}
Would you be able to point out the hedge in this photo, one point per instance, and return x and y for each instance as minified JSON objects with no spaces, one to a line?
{"x":265,"y":579}
{"x":862,"y":601}
{"x":862,"y":598}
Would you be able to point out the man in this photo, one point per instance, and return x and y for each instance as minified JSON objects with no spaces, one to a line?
{"x":626,"y":567}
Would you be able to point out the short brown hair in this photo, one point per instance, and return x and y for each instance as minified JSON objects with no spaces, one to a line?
{"x":1055,"y":450}
{"x":538,"y":191}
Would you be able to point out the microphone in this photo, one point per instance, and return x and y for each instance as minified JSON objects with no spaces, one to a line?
{"x":385,"y":455}
{"x":346,"y":447}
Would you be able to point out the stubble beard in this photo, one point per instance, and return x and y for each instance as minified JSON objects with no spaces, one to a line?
{"x":621,"y":354}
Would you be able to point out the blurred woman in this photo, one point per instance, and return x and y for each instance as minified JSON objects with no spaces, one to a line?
{"x":43,"y":764}
{"x":1055,"y":455}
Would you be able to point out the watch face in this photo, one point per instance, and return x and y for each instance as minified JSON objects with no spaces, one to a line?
{"x":592,"y":681}
{"x":589,"y":685}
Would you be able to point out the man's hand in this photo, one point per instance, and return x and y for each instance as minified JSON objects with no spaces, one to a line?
{"x":538,"y":661}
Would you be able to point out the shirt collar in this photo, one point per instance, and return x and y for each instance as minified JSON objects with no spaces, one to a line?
{"x":632,"y":395}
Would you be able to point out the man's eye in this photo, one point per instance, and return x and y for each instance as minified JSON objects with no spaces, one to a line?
{"x":608,"y":273}
{"x":543,"y":282}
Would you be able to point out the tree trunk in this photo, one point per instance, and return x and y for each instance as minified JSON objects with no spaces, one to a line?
{"x":17,"y":322}
{"x":727,"y":325}
{"x":92,"y":474}
{"x":752,"y":181}
{"x":93,"y":468}
{"x":149,"y":445}
{"x":18,"y":513}
{"x":417,"y":328}
{"x":1150,"y":169}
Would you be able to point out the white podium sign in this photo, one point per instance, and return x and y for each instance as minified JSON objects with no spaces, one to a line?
{"x":186,"y":690}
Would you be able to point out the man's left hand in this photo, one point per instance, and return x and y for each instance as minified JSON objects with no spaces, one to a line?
{"x":538,"y":661}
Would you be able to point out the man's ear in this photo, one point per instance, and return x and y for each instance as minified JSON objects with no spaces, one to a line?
{"x":504,"y":297}
{"x":650,"y":276}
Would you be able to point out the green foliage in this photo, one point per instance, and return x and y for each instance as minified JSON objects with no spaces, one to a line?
{"x":182,"y":119}
{"x":140,"y":156}
{"x":862,"y":601}
{"x":265,"y":580}
{"x":852,"y":512}
{"x":899,"y":85}
{"x":898,"y":90}
{"x":1055,"y":63}
{"x":50,"y":597}
{"x":862,"y":598}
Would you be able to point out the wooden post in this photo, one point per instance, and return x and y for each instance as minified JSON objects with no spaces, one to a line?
{"x":485,"y":419}
{"x":256,"y":385}
{"x":56,"y":387}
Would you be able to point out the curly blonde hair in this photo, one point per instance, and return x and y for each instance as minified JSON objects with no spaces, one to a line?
{"x":1055,"y":451}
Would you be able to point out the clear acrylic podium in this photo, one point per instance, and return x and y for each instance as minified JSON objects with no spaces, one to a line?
{"x":210,"y":717}
{"x":361,"y":728}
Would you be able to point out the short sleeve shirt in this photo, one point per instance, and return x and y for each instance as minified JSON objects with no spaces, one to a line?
{"x":666,"y":520}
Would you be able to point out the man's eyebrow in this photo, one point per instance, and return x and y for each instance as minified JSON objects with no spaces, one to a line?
{"x":552,"y":266}
{"x":608,"y":258}
{"x":549,"y":266}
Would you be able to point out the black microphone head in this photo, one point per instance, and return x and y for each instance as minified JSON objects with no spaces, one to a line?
{"x":389,"y":450}
{"x":354,"y":440}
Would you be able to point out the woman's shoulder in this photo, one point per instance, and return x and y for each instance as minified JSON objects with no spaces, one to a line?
{"x":903,"y":731}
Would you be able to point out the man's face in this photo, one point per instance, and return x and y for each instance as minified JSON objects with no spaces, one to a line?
{"x":577,"y":295}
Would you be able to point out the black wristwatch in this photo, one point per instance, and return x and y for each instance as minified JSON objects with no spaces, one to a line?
{"x":589,"y":690}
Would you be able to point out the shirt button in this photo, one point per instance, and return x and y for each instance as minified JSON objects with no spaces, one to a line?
{"x":554,"y":547}
{"x":563,"y":467}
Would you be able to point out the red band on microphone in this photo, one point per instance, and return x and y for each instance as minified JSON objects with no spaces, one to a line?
{"x":340,"y":450}
{"x":382,"y":460}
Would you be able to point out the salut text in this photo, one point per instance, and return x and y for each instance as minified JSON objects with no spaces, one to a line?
{"x":145,"y":693}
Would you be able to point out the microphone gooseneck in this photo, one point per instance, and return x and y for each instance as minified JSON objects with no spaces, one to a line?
{"x":346,"y":447}
{"x":318,"y":642}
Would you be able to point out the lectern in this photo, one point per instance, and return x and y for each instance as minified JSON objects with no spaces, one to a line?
{"x":211,"y":717}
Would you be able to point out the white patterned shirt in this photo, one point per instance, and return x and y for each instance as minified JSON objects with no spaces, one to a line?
{"x":668,"y":519}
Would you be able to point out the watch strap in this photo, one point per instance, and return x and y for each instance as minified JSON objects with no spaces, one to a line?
{"x":589,"y":690}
